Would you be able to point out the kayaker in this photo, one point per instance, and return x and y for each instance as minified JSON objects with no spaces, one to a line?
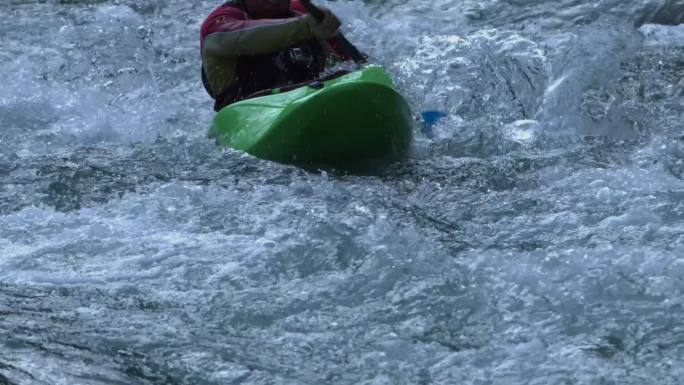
{"x":254,"y":45}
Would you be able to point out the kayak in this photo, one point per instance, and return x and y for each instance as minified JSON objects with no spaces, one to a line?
{"x":358,"y":116}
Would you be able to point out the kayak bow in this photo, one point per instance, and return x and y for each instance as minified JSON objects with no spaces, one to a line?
{"x":353,"y":118}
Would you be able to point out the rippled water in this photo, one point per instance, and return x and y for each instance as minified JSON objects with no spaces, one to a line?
{"x":534,"y":236}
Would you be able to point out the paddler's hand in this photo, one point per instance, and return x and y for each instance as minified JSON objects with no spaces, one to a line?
{"x":328,"y":28}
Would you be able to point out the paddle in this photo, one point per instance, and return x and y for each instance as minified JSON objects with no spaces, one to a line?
{"x":433,"y":106}
{"x":348,"y":49}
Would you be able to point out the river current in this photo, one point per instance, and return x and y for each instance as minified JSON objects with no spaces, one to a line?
{"x":535,"y":235}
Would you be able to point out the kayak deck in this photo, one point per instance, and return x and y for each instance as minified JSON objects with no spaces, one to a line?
{"x":358,"y":116}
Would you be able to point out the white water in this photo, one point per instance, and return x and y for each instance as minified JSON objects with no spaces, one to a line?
{"x":535,"y":235}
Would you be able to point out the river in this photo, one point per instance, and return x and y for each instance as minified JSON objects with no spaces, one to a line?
{"x":535,"y":235}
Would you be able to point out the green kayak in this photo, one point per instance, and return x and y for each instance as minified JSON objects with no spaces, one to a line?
{"x":356,"y":117}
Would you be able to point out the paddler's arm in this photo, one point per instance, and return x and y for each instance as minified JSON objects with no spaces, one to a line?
{"x":234,"y":38}
{"x":332,"y":25}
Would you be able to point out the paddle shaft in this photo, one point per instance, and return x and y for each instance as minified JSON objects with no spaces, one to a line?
{"x":346,"y":46}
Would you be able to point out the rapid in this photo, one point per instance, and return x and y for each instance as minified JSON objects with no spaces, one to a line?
{"x":535,"y":235}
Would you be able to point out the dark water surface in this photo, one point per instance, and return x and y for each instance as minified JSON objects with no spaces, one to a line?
{"x":534,"y":236}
